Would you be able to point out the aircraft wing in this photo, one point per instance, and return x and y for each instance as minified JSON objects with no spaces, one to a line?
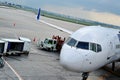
{"x":57,"y":27}
{"x":52,"y":25}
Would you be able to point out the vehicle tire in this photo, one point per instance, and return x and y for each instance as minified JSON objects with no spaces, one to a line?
{"x":41,"y":46}
{"x":26,"y":53}
{"x":51,"y":48}
{"x":48,"y":49}
{"x":19,"y":54}
{"x":6,"y":54}
{"x":2,"y":63}
{"x":12,"y":54}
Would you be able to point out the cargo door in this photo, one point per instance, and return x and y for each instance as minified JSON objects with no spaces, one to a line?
{"x":15,"y":46}
{"x":111,"y":48}
{"x":26,"y":46}
{"x":2,"y":47}
{"x":27,"y":43}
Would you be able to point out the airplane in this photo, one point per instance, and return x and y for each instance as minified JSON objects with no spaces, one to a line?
{"x":89,"y":48}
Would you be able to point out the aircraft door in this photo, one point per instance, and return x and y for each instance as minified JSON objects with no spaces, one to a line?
{"x":111,"y":51}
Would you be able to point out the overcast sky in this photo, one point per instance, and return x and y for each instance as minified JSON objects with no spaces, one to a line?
{"x":110,"y":6}
{"x":106,"y":11}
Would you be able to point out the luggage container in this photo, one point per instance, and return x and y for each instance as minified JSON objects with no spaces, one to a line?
{"x":13,"y":46}
{"x":27,"y":44}
{"x":2,"y":48}
{"x":2,"y":45}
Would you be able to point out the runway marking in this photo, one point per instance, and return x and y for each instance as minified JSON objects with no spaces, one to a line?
{"x":13,"y":70}
{"x":57,"y":27}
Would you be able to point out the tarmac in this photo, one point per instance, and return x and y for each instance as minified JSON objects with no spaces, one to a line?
{"x":40,"y":64}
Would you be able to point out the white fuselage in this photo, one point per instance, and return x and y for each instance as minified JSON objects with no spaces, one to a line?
{"x":90,"y":48}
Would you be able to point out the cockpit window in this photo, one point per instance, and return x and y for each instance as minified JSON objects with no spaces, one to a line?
{"x":95,"y":47}
{"x":68,"y":39}
{"x":89,"y":46}
{"x":99,"y":48}
{"x":83,"y":45}
{"x":71,"y":42}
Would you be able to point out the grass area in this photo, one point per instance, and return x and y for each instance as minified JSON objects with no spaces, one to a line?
{"x":67,"y":19}
{"x":77,"y":20}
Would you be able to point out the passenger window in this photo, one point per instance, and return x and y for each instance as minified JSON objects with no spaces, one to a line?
{"x":72,"y":42}
{"x":83,"y":45}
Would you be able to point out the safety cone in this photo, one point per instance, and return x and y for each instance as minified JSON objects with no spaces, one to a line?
{"x":34,"y":39}
{"x":14,"y":24}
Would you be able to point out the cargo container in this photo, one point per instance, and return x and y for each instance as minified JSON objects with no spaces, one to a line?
{"x":13,"y":46}
{"x":27,"y":44}
{"x":2,"y":45}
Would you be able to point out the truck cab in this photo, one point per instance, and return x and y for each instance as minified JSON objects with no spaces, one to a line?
{"x":51,"y":44}
{"x":48,"y":44}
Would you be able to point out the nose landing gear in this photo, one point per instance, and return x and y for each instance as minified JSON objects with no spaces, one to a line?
{"x":85,"y":75}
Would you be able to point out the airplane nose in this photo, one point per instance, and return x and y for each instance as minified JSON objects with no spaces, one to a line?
{"x":71,"y":60}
